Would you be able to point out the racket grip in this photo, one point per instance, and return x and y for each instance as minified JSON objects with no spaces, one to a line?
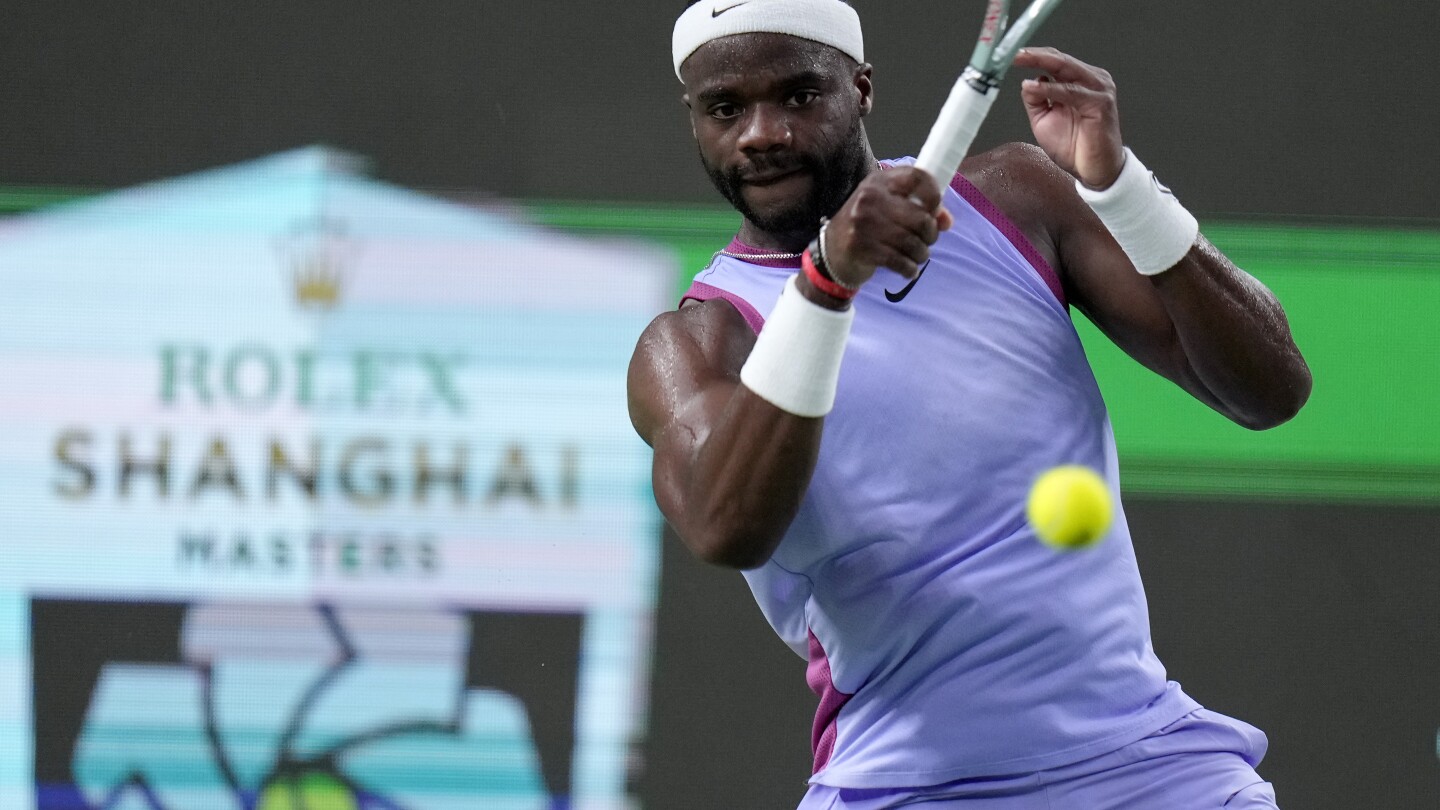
{"x":955,"y":130}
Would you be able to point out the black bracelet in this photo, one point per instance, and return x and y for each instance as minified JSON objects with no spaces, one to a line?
{"x":817,"y":258}
{"x":822,"y":263}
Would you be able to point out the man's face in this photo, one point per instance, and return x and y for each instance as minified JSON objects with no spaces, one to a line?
{"x":777,"y":120}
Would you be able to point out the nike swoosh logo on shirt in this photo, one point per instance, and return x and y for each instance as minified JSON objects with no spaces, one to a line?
{"x":897,"y":297}
{"x":718,"y":11}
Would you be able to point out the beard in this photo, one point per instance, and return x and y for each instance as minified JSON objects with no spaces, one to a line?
{"x":833,"y":175}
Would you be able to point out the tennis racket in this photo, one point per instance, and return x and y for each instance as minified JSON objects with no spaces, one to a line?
{"x":977,"y":87}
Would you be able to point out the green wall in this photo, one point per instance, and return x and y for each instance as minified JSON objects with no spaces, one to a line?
{"x":1362,"y":303}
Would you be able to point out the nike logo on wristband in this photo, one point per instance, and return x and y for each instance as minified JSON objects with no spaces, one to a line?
{"x":897,"y":297}
{"x":717,"y":12}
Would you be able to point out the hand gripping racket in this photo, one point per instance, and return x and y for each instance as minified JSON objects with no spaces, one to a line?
{"x":977,"y":87}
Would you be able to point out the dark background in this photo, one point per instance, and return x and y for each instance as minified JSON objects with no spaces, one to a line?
{"x":1316,"y":622}
{"x":1321,"y":108}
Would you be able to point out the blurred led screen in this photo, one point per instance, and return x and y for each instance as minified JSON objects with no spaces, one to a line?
{"x":316,"y":492}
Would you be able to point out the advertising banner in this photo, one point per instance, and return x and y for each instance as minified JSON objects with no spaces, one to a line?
{"x":319,"y":493}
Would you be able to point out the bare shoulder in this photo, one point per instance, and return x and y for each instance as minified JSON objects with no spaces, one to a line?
{"x":1034,"y":193}
{"x":1016,"y":162}
{"x":679,"y":354}
{"x":712,"y":329}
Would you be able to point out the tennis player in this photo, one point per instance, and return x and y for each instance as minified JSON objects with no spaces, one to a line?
{"x":855,"y":396}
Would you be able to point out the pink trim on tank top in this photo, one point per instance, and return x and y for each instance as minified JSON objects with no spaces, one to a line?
{"x":1002,"y":223}
{"x":818,"y":678}
{"x":700,"y":291}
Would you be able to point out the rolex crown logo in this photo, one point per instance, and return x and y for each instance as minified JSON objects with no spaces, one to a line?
{"x":317,"y":283}
{"x":319,"y":253}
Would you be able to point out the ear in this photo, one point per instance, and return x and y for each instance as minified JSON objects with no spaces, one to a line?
{"x":865,"y":87}
{"x":685,"y":99}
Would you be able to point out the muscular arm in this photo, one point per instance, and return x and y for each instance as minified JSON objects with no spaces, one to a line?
{"x":1227,"y":340}
{"x":730,"y":469}
{"x":1205,"y":324}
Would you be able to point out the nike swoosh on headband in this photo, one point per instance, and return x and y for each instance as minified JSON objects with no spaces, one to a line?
{"x":718,"y":11}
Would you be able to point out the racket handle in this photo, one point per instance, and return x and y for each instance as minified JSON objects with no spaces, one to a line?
{"x":955,"y":129}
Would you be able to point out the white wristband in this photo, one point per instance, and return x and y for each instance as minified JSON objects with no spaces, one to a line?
{"x":1151,"y":225}
{"x":795,"y":364}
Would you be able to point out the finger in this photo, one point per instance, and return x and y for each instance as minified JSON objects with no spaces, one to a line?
{"x":901,"y":265}
{"x":1064,"y":67}
{"x":915,"y":220}
{"x":930,"y":229}
{"x":915,"y":184}
{"x":1052,"y":61}
{"x":1042,"y":96}
{"x":891,"y":239}
{"x":1033,"y":94}
{"x":944,"y":221}
{"x":914,"y":248}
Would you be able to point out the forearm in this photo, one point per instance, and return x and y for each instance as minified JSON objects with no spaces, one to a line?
{"x":1198,"y":319}
{"x":1235,"y":338}
{"x":1228,"y":341}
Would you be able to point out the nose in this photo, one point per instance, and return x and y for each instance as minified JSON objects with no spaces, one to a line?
{"x":766,"y":128}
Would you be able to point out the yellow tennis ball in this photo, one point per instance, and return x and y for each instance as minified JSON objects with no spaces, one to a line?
{"x":1069,"y":507}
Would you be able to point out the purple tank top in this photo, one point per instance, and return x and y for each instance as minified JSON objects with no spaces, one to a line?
{"x":944,"y":640}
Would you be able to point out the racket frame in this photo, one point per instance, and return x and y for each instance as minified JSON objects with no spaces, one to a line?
{"x":970,"y":99}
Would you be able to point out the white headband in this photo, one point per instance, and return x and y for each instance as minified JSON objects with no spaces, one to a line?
{"x":829,"y":22}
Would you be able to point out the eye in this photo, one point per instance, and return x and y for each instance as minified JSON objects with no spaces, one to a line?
{"x":800,"y":98}
{"x":724,"y":111}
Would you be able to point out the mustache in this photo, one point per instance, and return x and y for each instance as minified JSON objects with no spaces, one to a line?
{"x":764,"y":165}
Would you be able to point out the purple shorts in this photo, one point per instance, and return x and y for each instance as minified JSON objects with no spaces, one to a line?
{"x":1203,"y":761}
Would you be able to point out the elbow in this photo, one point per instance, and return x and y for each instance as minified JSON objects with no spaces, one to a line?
{"x":1282,"y":406}
{"x":731,"y":546}
{"x":731,"y":531}
{"x":743,"y":561}
{"x":1262,"y":421}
